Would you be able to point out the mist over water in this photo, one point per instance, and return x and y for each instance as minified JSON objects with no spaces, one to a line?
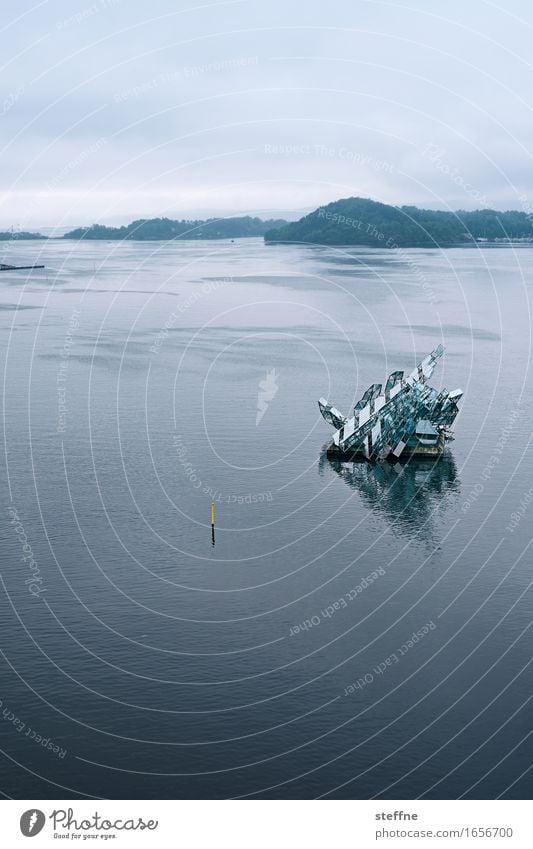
{"x":142,"y":381}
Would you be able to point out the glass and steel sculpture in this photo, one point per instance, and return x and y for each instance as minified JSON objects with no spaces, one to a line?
{"x":407,"y":416}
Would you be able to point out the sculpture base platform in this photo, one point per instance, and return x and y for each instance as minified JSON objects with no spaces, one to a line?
{"x":410,"y":451}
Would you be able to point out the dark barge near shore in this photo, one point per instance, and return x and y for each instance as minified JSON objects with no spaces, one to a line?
{"x":5,"y":267}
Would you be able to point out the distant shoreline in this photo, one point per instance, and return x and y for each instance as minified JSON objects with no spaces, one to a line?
{"x":472,"y":243}
{"x":160,"y":230}
{"x":349,"y":222}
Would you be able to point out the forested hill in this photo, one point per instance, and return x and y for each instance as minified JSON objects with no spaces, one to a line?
{"x":19,"y":235}
{"x":155,"y":229}
{"x":359,"y":221}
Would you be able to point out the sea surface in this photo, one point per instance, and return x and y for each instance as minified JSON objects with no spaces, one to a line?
{"x":350,"y":631}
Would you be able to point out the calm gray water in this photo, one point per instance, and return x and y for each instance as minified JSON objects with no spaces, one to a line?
{"x":144,"y":661}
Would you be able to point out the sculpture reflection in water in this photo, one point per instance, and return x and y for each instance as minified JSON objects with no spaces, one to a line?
{"x":409,"y":495}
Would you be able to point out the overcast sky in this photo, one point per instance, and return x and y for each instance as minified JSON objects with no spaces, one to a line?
{"x":116,"y":109}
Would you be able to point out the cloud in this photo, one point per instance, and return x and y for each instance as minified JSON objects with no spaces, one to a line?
{"x":111,"y":108}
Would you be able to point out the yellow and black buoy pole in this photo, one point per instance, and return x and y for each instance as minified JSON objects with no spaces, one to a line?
{"x":212,"y":523}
